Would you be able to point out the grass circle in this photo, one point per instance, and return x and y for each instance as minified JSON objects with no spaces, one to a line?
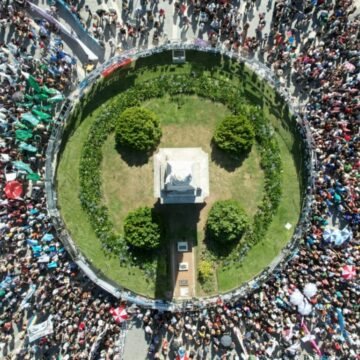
{"x":177,"y":89}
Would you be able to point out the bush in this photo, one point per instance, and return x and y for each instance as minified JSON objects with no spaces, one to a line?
{"x":235,"y":135}
{"x":227,"y":221}
{"x":138,"y":129}
{"x":205,"y":270}
{"x":142,"y":229}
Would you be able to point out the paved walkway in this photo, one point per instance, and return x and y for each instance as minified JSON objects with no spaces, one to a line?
{"x":136,"y":345}
{"x":182,"y":222}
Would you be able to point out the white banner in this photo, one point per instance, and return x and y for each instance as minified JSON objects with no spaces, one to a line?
{"x":40,"y":330}
{"x":28,"y":296}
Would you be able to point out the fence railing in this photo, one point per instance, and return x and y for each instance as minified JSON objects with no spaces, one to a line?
{"x":94,"y":274}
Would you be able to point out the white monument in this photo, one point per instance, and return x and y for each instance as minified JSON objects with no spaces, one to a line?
{"x":181,"y":175}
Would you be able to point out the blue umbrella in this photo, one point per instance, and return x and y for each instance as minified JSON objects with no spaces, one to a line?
{"x":332,"y":235}
{"x":346,"y":234}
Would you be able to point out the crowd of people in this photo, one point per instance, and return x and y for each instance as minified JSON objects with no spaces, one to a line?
{"x":313,"y":44}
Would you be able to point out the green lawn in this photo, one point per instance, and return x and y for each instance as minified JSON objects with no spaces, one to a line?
{"x":277,"y":235}
{"x":183,"y":126}
{"x":77,"y":221}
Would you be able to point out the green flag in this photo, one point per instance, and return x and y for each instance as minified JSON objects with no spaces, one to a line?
{"x":56,"y":98}
{"x":41,"y":115}
{"x":30,"y":118}
{"x":23,"y":134}
{"x":49,"y":91}
{"x":27,"y":147}
{"x":33,"y":83}
{"x":20,"y":165}
{"x":33,"y":176}
{"x":41,"y":97}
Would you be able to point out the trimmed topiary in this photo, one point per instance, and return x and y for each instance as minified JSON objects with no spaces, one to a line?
{"x":235,"y":135}
{"x":227,"y":221}
{"x":137,"y":129}
{"x":142,"y":229}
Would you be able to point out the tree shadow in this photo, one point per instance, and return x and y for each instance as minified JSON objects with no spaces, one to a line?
{"x":220,"y":250}
{"x":133,"y":157}
{"x":225,"y":160}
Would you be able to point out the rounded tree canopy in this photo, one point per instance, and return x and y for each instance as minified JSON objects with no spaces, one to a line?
{"x":227,"y":221}
{"x":235,"y":134}
{"x":138,"y":129}
{"x":142,"y":229}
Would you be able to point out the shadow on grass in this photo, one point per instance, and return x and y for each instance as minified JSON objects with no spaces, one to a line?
{"x":224,"y":160}
{"x":133,"y":157}
{"x":220,"y":250}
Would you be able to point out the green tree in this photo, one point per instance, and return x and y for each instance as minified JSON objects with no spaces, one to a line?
{"x":235,"y":134}
{"x":205,"y":270}
{"x":142,"y":229}
{"x":227,"y":221}
{"x":138,"y":129}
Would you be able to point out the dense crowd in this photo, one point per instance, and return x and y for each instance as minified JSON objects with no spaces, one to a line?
{"x":38,"y":280}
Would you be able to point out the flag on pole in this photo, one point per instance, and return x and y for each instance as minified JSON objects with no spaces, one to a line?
{"x":31,"y":81}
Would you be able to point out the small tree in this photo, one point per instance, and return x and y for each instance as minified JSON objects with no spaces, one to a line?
{"x":227,"y":221}
{"x":138,"y":129}
{"x":205,"y":270}
{"x":235,"y":135}
{"x":142,"y":229}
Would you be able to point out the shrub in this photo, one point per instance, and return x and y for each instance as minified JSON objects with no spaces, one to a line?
{"x":205,"y":270}
{"x":235,"y":135}
{"x":227,"y":221}
{"x":138,"y":129}
{"x":142,"y":229}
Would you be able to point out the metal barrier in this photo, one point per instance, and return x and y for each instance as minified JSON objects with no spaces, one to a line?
{"x":119,"y":292}
{"x":88,"y":39}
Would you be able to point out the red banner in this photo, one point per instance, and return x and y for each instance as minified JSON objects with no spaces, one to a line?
{"x":109,"y":70}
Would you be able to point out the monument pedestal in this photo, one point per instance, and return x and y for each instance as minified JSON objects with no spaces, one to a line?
{"x":181,"y":175}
